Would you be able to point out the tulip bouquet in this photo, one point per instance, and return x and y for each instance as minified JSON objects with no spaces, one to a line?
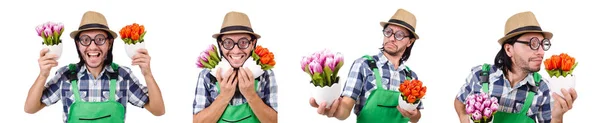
{"x":481,"y":108}
{"x":263,"y":57}
{"x":323,"y":68}
{"x":208,"y":58}
{"x":412,"y":91}
{"x":51,"y":33}
{"x":133,"y":36}
{"x":560,"y":68}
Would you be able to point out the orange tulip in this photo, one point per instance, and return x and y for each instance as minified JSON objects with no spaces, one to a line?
{"x":135,"y":36}
{"x":411,"y":99}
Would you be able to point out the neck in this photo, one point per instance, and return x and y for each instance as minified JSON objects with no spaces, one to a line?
{"x":515,"y":76}
{"x":395,"y":59}
{"x":95,"y":71}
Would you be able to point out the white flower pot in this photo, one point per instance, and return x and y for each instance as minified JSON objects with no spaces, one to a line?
{"x":131,"y":49}
{"x":55,"y":49}
{"x":405,"y":105}
{"x":556,"y":84}
{"x":326,"y":94}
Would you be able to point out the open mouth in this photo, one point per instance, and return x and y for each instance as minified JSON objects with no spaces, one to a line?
{"x":237,"y":57}
{"x":93,"y":55}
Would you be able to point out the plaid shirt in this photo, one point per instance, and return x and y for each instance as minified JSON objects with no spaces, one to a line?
{"x":510,"y":99}
{"x":93,"y":89}
{"x":361,"y":80}
{"x":206,"y":91}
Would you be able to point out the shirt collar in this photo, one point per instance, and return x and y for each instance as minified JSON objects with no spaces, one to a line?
{"x":83,"y":71}
{"x":384,"y":60}
{"x":528,"y":79}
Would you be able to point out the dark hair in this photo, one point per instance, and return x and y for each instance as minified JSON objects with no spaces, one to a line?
{"x":502,"y":60}
{"x":407,"y":51}
{"x":109,"y":56}
{"x":252,"y":38}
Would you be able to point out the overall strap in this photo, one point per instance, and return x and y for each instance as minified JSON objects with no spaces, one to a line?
{"x":407,"y":73}
{"x":113,"y":80}
{"x":531,"y":93}
{"x":373,"y":67}
{"x":72,"y":76}
{"x":485,"y":77}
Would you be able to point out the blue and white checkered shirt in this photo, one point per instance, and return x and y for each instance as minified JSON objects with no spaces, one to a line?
{"x":206,"y":91}
{"x":511,"y":99}
{"x":361,"y":80}
{"x":93,"y":89}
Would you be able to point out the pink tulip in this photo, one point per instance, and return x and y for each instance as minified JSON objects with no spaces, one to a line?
{"x":39,"y":29}
{"x":315,"y":67}
{"x":487,"y":112}
{"x":330,"y":63}
{"x":305,"y":61}
{"x":493,"y":99}
{"x":486,"y":103}
{"x":478,"y":106}
{"x":471,"y":102}
{"x":494,"y":106}
{"x":48,"y":32}
{"x":337,"y":58}
{"x":49,"y":25}
{"x":484,"y":96}
{"x":56,"y":28}
{"x":199,"y":64}
{"x":470,"y":109}
{"x":204,"y":57}
{"x":210,"y":48}
{"x":477,"y":115}
{"x":471,"y":97}
{"x":479,"y":98}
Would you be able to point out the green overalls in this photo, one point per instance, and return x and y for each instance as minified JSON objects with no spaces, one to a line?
{"x":503,"y":117}
{"x":381,"y":103}
{"x":240,"y":113}
{"x":110,"y":111}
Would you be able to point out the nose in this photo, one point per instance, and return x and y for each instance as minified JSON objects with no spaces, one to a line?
{"x":540,"y":51}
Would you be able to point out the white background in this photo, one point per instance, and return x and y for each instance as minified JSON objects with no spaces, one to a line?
{"x":455,"y":36}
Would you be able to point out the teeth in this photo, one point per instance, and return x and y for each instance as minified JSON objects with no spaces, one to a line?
{"x":93,"y":54}
{"x":236,"y":57}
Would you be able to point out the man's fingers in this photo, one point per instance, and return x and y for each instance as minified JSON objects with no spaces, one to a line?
{"x":249,"y":73}
{"x":43,"y":52}
{"x":313,"y":103}
{"x":142,"y":51}
{"x":218,"y":76}
{"x":333,"y":108}
{"x":561,"y":101}
{"x":573,"y":94}
{"x":568,"y":98}
{"x":321,"y":109}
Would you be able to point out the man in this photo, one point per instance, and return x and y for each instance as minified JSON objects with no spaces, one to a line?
{"x":361,"y":84}
{"x":513,"y":79}
{"x":95,"y":89}
{"x":236,"y":96}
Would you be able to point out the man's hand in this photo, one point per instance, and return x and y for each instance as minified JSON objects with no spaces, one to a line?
{"x":46,"y":62}
{"x":246,"y":82}
{"x":226,"y":83}
{"x":411,"y":114}
{"x":321,"y":108}
{"x":562,"y":105}
{"x":142,"y":59}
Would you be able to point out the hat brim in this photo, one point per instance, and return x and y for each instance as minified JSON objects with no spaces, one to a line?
{"x":74,"y":33}
{"x":411,"y":31}
{"x":236,"y":32}
{"x":547,"y":35}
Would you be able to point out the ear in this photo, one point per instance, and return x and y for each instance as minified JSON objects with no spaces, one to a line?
{"x":411,"y":41}
{"x":509,"y":49}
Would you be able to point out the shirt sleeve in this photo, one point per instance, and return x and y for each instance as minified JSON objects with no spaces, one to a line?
{"x":270,"y":91}
{"x":354,"y":82}
{"x":467,"y":88}
{"x":202,"y":96}
{"x":545,"y":112}
{"x":137,"y":94}
{"x":52,"y":93}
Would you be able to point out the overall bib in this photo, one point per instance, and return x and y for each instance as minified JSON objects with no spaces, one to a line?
{"x":380,"y":106}
{"x":240,"y":113}
{"x":110,"y":111}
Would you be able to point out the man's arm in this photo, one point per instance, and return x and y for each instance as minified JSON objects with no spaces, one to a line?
{"x":205,"y":110}
{"x":212,"y":113}
{"x":33,"y":102}
{"x":263,"y":112}
{"x":155,"y":103}
{"x":265,"y":108}
{"x":345,"y":108}
{"x":460,"y":111}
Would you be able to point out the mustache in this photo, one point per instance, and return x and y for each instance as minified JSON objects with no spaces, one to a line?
{"x":389,"y":42}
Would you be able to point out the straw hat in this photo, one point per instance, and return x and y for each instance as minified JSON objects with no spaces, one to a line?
{"x":520,"y":23}
{"x":236,"y":22}
{"x":92,"y":20}
{"x":404,"y":19}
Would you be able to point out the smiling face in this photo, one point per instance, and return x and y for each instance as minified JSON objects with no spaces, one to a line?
{"x":93,"y":45}
{"x":237,"y":54}
{"x":523,"y":56}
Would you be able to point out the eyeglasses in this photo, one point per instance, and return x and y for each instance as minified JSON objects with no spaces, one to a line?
{"x":387,"y":32}
{"x":534,"y":43}
{"x":86,"y":40}
{"x":242,"y":43}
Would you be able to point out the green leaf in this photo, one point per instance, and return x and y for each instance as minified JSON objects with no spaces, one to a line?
{"x":337,"y":68}
{"x":205,"y":64}
{"x":213,"y":55}
{"x":307,"y":69}
{"x":327,"y":75}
